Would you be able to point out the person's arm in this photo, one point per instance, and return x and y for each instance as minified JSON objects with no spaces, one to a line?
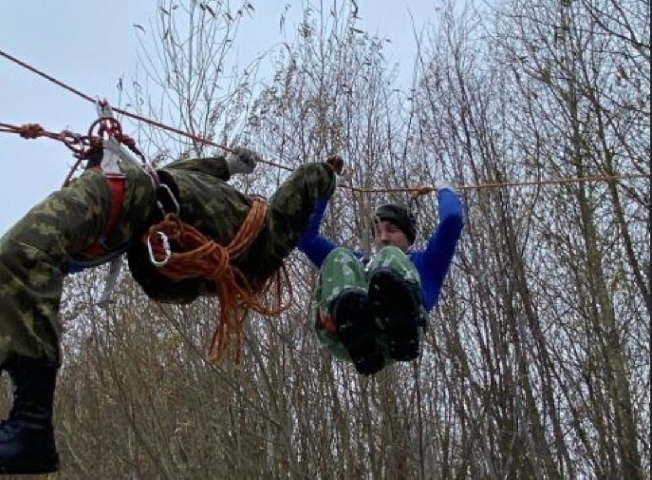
{"x":240,"y":160}
{"x":213,"y":166}
{"x":313,"y":245}
{"x":436,"y":258}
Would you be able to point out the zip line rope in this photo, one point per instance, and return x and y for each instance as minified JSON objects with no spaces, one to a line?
{"x":76,"y":143}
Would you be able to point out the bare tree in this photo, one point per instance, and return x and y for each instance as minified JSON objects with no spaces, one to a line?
{"x":537,"y":358}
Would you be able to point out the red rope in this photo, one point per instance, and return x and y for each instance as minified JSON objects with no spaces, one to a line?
{"x":76,"y":143}
{"x":69,"y":140}
{"x":127,"y":113}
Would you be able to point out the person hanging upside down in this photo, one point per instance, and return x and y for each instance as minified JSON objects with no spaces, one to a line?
{"x":375,"y":314}
{"x":87,"y":223}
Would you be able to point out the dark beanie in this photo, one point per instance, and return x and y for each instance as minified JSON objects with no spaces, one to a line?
{"x":400,"y":216}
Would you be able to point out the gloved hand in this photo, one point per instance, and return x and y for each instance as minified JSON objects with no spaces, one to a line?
{"x":444,"y":185}
{"x":243,"y":160}
{"x":336,"y":163}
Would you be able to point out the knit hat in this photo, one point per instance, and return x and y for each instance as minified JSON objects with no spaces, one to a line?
{"x":400,"y":216}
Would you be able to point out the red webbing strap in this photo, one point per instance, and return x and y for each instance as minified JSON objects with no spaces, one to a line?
{"x":117,"y":187}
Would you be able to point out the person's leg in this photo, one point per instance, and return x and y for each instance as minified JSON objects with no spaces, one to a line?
{"x":344,"y":323}
{"x":32,"y":258}
{"x":27,"y":443}
{"x":288,"y":215}
{"x":395,"y":298}
{"x":33,"y":255}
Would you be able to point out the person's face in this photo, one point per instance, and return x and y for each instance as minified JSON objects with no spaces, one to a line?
{"x":387,"y":234}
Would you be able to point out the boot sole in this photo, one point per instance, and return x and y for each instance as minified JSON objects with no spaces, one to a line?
{"x":397,"y":305}
{"x":32,"y":469}
{"x":355,"y":329}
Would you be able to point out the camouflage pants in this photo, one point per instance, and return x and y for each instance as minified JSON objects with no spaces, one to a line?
{"x":35,"y":251}
{"x":341,"y":269}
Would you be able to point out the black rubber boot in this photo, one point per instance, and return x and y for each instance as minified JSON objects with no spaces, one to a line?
{"x":27,"y":436}
{"x":357,"y":330}
{"x":396,"y":302}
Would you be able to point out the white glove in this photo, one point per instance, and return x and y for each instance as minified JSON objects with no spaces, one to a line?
{"x":243,"y":160}
{"x":444,"y":185}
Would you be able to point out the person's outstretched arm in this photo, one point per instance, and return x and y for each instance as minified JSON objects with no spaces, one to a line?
{"x":242,"y":160}
{"x":435,"y":260}
{"x":316,"y":247}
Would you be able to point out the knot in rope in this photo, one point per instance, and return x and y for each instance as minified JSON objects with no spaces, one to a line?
{"x":221,"y":258}
{"x":31,"y":130}
{"x":106,"y":126}
{"x":201,"y":257}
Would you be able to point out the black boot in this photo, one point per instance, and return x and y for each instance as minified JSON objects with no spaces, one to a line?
{"x":396,"y":302}
{"x":27,"y":436}
{"x":357,"y":330}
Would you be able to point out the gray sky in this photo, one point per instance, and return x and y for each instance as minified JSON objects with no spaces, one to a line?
{"x":90,"y":45}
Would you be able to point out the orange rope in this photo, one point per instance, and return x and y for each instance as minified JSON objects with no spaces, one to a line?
{"x":76,"y":143}
{"x":204,"y":258}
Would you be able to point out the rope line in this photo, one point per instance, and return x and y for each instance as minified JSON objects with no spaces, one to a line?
{"x":71,"y":141}
{"x":126,"y":113}
{"x":77,"y":143}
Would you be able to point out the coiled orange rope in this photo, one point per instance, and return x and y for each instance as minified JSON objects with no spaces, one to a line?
{"x":204,"y":258}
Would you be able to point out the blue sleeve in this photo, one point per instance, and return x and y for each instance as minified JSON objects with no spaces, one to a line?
{"x":433,"y":263}
{"x":313,"y":245}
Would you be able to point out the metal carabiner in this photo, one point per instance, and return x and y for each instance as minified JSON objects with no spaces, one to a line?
{"x":177,"y":208}
{"x":103,"y":109}
{"x":166,"y":247}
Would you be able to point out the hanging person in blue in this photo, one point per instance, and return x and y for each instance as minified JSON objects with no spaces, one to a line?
{"x":373,"y":313}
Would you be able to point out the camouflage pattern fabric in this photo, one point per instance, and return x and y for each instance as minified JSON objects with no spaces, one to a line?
{"x":36,"y":252}
{"x":342,"y":269}
{"x":218,"y":210}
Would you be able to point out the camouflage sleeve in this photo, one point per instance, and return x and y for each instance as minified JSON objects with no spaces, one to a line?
{"x":213,"y":166}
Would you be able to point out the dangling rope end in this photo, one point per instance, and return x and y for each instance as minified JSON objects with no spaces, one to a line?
{"x":229,"y":328}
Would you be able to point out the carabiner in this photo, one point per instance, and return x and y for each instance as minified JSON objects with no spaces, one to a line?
{"x":166,"y":247}
{"x":162,"y":187}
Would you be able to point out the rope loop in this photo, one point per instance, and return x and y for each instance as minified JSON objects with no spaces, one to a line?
{"x":200,"y":257}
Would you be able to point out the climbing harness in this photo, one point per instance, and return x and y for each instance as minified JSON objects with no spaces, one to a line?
{"x":108,"y":144}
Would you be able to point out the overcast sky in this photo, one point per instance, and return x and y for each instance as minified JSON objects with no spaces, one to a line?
{"x":90,"y":44}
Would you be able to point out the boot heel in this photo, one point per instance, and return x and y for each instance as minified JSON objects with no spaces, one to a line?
{"x":397,"y":305}
{"x":27,"y":443}
{"x":357,"y":331}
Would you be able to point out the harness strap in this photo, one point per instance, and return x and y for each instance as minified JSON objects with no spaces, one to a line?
{"x":117,"y":187}
{"x":327,"y":321}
